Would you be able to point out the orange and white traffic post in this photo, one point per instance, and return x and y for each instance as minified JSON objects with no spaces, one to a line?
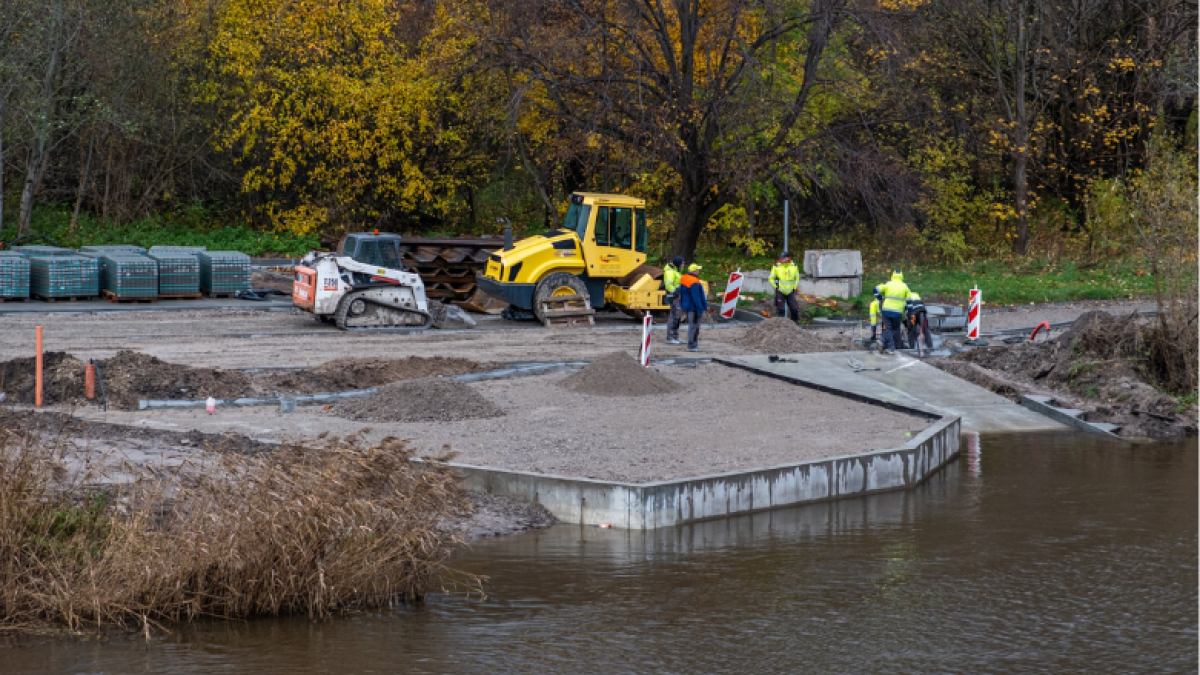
{"x":974,"y":309}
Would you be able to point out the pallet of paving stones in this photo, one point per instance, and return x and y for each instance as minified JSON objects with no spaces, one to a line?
{"x":178,"y":273}
{"x":114,"y":248}
{"x":43,"y":251}
{"x":129,"y":276}
{"x":69,"y":277}
{"x":223,"y":273}
{"x":14,"y":277}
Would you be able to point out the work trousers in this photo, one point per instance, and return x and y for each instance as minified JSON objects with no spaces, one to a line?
{"x":893,"y":337}
{"x":694,"y":329}
{"x":792,"y":303}
{"x":674,"y":316}
{"x":919,"y":330}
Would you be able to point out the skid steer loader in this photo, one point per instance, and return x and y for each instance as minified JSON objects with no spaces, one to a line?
{"x":596,"y":259}
{"x":364,"y":286}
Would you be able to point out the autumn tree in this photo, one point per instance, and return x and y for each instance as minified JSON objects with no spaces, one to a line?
{"x":719,"y":91}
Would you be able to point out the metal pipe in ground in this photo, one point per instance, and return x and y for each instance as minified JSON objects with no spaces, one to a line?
{"x":37,"y":396}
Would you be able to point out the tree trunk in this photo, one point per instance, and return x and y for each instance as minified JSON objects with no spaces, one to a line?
{"x":2,"y":102}
{"x":687,"y":227}
{"x":83,"y":179}
{"x":34,"y":169}
{"x":1021,"y":188}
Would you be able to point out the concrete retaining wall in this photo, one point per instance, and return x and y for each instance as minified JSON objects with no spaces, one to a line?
{"x":668,"y":503}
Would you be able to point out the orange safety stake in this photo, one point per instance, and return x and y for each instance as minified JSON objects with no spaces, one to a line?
{"x":89,"y":381}
{"x":37,"y":387}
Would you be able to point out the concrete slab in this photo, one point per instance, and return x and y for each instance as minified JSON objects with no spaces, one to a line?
{"x":903,"y":382}
{"x":835,"y":287}
{"x":825,"y":263}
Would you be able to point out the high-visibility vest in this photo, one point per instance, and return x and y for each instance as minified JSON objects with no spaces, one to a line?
{"x":671,"y":277}
{"x":895,"y":296}
{"x":874,"y":312}
{"x":915,"y":305}
{"x":784,"y":278}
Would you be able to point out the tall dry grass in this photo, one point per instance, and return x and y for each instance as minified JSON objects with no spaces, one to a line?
{"x":296,"y":531}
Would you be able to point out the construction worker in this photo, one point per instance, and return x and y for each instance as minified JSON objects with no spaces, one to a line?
{"x":873,"y":313}
{"x":893,"y":298}
{"x":917,"y":321}
{"x":671,"y":277}
{"x":785,"y":277}
{"x":693,"y":301}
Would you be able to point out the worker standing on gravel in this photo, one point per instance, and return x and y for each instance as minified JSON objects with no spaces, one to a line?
{"x":893,"y":298}
{"x":671,"y":277}
{"x":693,"y":301}
{"x":785,"y":277}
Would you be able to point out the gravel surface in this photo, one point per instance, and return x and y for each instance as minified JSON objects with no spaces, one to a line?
{"x":722,"y":419}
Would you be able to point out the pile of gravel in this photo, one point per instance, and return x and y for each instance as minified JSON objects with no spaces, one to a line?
{"x":782,"y":336}
{"x":431,"y":399}
{"x":618,"y":374}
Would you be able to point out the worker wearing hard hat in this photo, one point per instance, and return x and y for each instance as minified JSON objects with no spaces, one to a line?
{"x":671,"y":278}
{"x":785,"y":278}
{"x":694,"y":303}
{"x":893,"y":298}
{"x":916,"y":321}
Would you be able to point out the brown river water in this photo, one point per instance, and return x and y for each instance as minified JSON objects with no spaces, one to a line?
{"x":1056,"y":553}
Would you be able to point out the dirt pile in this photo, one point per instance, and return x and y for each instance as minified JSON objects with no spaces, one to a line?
{"x":346,"y":374}
{"x":62,"y":379}
{"x":1094,"y":365}
{"x":127,"y":378}
{"x":429,"y":399}
{"x":782,"y":336}
{"x":130,"y":376}
{"x":618,"y":374}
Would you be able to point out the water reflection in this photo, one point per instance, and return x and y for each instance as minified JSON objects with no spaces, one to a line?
{"x":1057,"y":554}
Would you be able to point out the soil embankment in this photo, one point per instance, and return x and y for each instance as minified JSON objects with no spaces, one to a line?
{"x":1094,"y":366}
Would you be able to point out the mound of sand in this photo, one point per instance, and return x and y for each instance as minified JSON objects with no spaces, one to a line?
{"x":782,"y":336}
{"x":618,"y":374}
{"x":350,"y":373}
{"x":429,"y":399}
{"x":127,"y":378}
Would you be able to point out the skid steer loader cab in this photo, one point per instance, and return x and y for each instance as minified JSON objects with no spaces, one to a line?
{"x":596,"y":258}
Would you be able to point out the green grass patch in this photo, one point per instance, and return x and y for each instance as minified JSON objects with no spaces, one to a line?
{"x":194,"y":226}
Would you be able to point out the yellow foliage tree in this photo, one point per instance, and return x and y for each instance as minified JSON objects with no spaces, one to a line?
{"x":332,"y":117}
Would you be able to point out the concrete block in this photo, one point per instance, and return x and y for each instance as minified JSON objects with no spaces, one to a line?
{"x":827,"y":263}
{"x":841,"y":287}
{"x":756,"y":282}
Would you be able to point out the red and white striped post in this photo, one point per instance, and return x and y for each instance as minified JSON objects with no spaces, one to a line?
{"x":732,"y":291}
{"x":644,"y":353}
{"x":974,"y":305}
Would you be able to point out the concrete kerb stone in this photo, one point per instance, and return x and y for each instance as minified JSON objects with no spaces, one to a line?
{"x":643,"y":506}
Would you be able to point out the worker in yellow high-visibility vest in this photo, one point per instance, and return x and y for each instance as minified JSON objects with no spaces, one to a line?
{"x":893,"y":298}
{"x":873,"y":312}
{"x":672,"y":275}
{"x":785,"y":279}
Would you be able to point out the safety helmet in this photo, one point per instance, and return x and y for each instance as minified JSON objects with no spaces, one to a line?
{"x":897,"y":276}
{"x":695,"y":267}
{"x":677,"y":261}
{"x":785,"y":255}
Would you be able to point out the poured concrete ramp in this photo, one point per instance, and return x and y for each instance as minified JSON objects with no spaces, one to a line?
{"x":902,"y":381}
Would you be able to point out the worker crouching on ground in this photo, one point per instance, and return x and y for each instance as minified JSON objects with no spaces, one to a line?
{"x":916,"y":320}
{"x":671,"y":278}
{"x":785,"y":277}
{"x":893,"y":298}
{"x":693,"y":301}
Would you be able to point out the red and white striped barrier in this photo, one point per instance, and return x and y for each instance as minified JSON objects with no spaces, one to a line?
{"x":732,"y":290}
{"x":644,"y":354}
{"x":974,"y":304}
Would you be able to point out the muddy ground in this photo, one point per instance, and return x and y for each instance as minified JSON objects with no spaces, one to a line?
{"x":1079,"y":369}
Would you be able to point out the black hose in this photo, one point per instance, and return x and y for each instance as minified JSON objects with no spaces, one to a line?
{"x":100,"y":379}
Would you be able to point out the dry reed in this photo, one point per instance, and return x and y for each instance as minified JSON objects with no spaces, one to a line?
{"x":314,"y":531}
